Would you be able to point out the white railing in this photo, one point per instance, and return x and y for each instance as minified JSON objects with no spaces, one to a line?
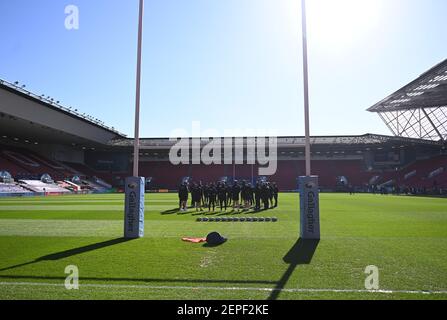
{"x":436,"y":172}
{"x":410,"y":175}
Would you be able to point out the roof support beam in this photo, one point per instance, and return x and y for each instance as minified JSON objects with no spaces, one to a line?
{"x":433,"y":125}
{"x":387,"y":124}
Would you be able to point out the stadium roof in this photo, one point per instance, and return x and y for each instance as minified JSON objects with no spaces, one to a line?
{"x":418,"y":110}
{"x":55,"y":105}
{"x":427,"y":91}
{"x":284,"y":142}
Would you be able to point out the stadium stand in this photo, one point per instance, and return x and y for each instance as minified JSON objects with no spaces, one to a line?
{"x":166,"y":175}
{"x":11,"y":167}
{"x":6,"y":177}
{"x":13,"y":189}
{"x":96,"y":185}
{"x":41,"y":187}
{"x":414,"y":157}
{"x":89,"y":173}
{"x":26,"y":164}
{"x":67,"y":185}
{"x":80,"y":169}
{"x":422,"y":170}
{"x":90,"y":178}
{"x":424,"y":173}
{"x":201,"y":172}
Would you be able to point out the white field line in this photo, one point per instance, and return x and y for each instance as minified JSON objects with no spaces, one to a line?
{"x":146,"y":287}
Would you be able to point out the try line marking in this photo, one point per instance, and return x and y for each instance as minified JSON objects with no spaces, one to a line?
{"x":123,"y":286}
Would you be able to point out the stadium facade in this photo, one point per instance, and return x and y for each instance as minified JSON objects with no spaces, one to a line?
{"x":48,"y":148}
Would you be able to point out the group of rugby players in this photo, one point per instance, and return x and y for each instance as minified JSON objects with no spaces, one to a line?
{"x":240,"y":196}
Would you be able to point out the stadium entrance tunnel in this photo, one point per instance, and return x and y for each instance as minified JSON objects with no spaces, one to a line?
{"x":300,"y":254}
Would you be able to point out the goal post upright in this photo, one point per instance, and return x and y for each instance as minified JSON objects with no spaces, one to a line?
{"x":308,"y":184}
{"x":135,"y":185}
{"x":136,"y":148}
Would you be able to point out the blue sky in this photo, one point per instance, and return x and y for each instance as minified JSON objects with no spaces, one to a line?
{"x":226,"y":63}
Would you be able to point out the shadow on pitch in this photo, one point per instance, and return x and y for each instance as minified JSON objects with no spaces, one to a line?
{"x":177,"y":211}
{"x":209,"y":245}
{"x":192,"y":281}
{"x":72,"y":252}
{"x":217,"y":212}
{"x":171,"y":211}
{"x":300,"y":254}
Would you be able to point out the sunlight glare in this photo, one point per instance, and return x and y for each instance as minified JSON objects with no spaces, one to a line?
{"x":338,"y":24}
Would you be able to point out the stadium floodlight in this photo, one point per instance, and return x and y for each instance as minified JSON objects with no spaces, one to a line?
{"x":135,"y":185}
{"x":308,"y":185}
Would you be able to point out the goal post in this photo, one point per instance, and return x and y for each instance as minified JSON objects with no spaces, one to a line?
{"x":135,"y":186}
{"x":308,"y":185}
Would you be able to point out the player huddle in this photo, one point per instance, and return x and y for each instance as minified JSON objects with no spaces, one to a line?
{"x":238,"y":196}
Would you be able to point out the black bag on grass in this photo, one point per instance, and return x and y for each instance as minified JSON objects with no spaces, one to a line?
{"x":215,"y":239}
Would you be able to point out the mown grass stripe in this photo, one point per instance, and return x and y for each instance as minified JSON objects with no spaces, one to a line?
{"x":147,"y":287}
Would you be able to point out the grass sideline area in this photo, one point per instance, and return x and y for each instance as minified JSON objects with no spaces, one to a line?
{"x":405,"y":237}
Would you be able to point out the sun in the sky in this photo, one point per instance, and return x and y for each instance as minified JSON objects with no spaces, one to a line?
{"x":338,"y":24}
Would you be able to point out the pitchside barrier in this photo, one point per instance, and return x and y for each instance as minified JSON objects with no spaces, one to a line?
{"x":10,"y":195}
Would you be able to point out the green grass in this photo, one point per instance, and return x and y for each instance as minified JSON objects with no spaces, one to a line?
{"x":406,"y":238}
